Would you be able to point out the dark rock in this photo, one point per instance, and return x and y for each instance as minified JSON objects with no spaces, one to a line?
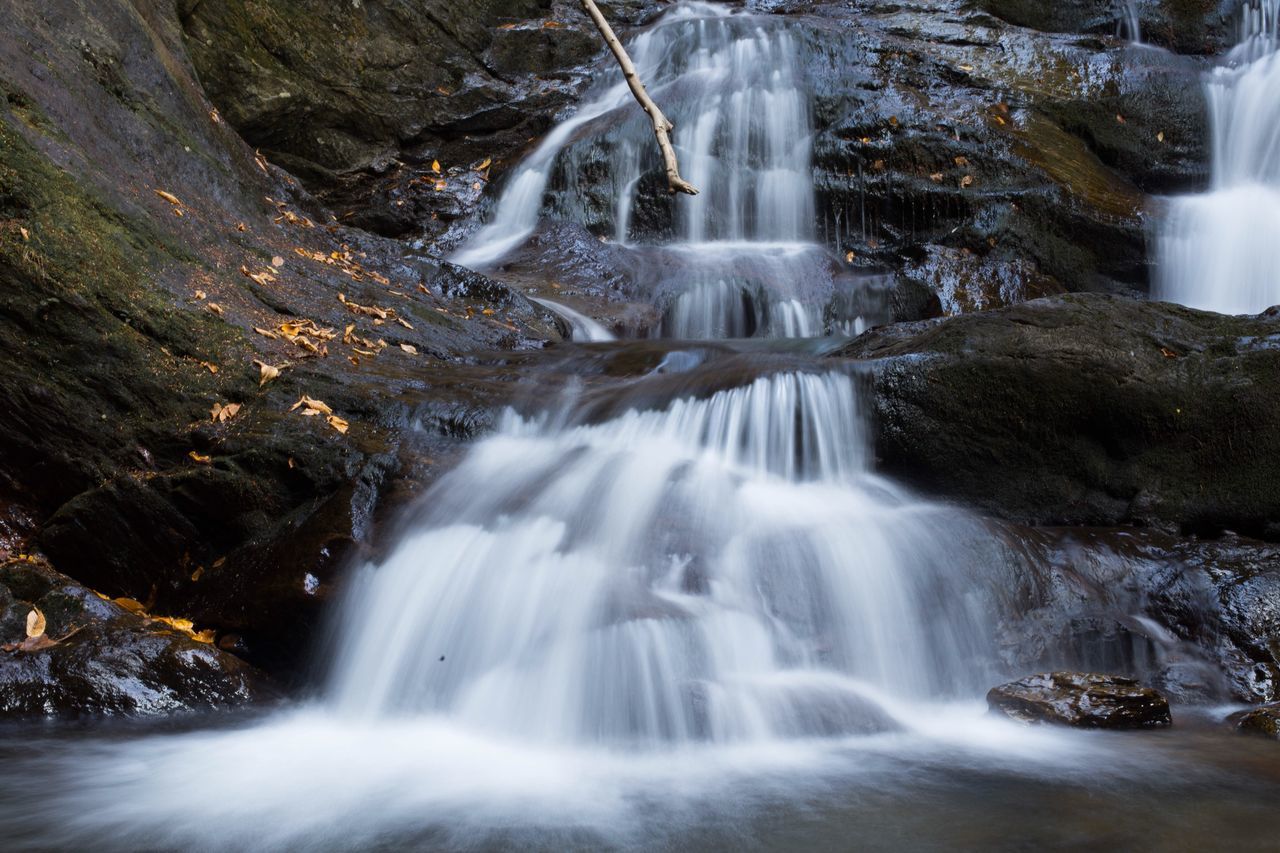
{"x":1263,"y":722}
{"x":360,"y":100}
{"x":1081,"y":700}
{"x":1188,"y":26}
{"x":102,"y":659}
{"x":1085,"y":409}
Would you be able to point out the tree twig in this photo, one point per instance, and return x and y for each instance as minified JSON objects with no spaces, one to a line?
{"x":662,"y":126}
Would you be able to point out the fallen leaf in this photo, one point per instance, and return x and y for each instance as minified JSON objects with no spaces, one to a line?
{"x":212,"y":368}
{"x":266,"y":333}
{"x":215,"y":308}
{"x":965,"y":68}
{"x":203,"y":460}
{"x":403,"y":322}
{"x":205,"y":636}
{"x":201,"y":295}
{"x":277,"y":261}
{"x":849,"y":256}
{"x":409,"y":348}
{"x":1168,"y":353}
{"x":347,"y":332}
{"x":338,"y":423}
{"x":936,"y":177}
{"x":435,"y":166}
{"x":1160,"y":136}
{"x":222,"y":414}
{"x":26,"y":235}
{"x":966,"y":181}
{"x":311,"y":406}
{"x":130,"y":604}
{"x":35,"y":623}
{"x":266,"y":372}
{"x":962,"y":161}
{"x":1119,"y":119}
{"x":488,"y":161}
{"x":198,"y":573}
{"x":169,"y":197}
{"x":240,"y":226}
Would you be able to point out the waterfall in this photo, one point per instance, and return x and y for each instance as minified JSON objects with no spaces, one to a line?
{"x":1220,"y":250}
{"x":723,"y":569}
{"x":733,"y":85}
{"x":1130,"y":25}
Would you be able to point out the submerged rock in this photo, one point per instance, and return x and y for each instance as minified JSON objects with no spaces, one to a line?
{"x":1081,"y":700}
{"x":1264,"y":722}
{"x":96,"y":656}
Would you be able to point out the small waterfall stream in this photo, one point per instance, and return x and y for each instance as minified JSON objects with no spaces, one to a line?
{"x":745,"y":246}
{"x":1220,"y":250}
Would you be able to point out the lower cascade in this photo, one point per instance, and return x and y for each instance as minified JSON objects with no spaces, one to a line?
{"x":722,"y":569}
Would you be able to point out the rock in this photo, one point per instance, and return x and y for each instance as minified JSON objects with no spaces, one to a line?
{"x":100,"y":658}
{"x":1081,"y":700}
{"x":1197,"y":619}
{"x":1188,"y":26}
{"x":1264,"y":722}
{"x":127,"y":314}
{"x":1085,"y":409}
{"x":361,"y":100}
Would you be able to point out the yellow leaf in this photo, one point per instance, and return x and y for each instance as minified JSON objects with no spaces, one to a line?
{"x":26,"y":235}
{"x":200,"y":295}
{"x":203,"y":460}
{"x":435,"y":166}
{"x":198,"y":573}
{"x":212,"y":368}
{"x":35,"y":623}
{"x":266,"y":373}
{"x":130,"y":604}
{"x":849,"y":256}
{"x":488,"y":161}
{"x":205,"y":636}
{"x":409,"y":348}
{"x":338,"y":423}
{"x":169,"y":197}
{"x":311,"y":406}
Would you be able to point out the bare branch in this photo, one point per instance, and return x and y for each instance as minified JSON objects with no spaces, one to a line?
{"x":662,"y":126}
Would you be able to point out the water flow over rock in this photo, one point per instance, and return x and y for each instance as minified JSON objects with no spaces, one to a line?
{"x":1220,"y":250}
{"x":745,"y":250}
{"x":723,"y":569}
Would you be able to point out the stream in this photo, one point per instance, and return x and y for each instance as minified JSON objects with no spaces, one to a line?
{"x":680,"y":608}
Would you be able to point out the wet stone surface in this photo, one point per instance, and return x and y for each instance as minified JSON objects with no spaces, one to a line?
{"x":1081,"y":700}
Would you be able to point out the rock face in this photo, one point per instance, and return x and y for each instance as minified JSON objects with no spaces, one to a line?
{"x":1264,"y":722}
{"x":98,"y":658}
{"x":1086,"y":409}
{"x":1081,"y":700}
{"x":359,"y":100}
{"x":141,"y":245}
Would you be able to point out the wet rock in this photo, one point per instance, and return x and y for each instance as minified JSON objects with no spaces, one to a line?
{"x":1081,"y":700}
{"x":1263,"y":722}
{"x":99,"y":658}
{"x":1188,"y":26}
{"x":127,"y":315}
{"x":361,"y":100}
{"x":1085,"y":409}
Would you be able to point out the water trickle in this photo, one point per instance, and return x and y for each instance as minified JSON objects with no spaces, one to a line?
{"x":733,"y":85}
{"x":1220,"y":250}
{"x":1130,"y":24}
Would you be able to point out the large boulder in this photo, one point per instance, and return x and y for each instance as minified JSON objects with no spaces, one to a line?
{"x":89,"y":655}
{"x":1081,"y":700}
{"x":1085,"y":409}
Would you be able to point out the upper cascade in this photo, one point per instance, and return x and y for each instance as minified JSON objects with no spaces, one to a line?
{"x":1219,"y":251}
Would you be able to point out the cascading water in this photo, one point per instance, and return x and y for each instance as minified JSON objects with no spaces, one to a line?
{"x":724,"y":569}
{"x":1220,"y":251}
{"x":1130,"y":25}
{"x":732,"y":84}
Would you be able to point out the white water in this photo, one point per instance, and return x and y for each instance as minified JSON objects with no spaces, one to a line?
{"x":582,"y":327}
{"x":732,"y":84}
{"x":1130,"y":25}
{"x":1220,"y":251}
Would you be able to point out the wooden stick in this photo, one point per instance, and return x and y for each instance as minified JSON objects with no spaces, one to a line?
{"x":662,"y":126}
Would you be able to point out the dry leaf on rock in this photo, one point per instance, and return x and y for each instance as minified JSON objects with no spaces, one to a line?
{"x":35,"y":623}
{"x":266,"y":373}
